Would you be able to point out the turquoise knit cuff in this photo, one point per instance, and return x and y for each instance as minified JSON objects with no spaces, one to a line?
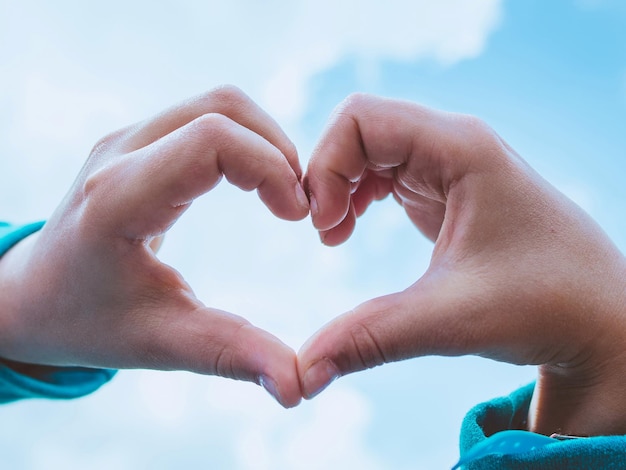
{"x":10,"y":235}
{"x":483,"y":423}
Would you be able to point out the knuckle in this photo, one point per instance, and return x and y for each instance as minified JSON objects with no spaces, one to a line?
{"x":355,"y":102}
{"x":476,"y":132}
{"x":214,"y":127}
{"x":228,"y":360}
{"x":368,"y":351}
{"x":212,"y":122}
{"x":99,"y":180}
{"x":96,"y":185}
{"x":228,"y":96}
{"x":100,"y":190}
{"x":474,"y":125}
{"x":223,"y":363}
{"x":109,"y":141}
{"x":475,"y":139}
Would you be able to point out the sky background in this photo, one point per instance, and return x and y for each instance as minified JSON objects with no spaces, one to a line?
{"x":550,"y":77}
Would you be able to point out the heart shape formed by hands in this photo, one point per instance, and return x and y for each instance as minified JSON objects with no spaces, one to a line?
{"x":503,"y":281}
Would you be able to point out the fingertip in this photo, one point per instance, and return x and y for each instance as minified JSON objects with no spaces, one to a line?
{"x":359,"y":339}
{"x":317,"y":377}
{"x":332,"y":238}
{"x":323,"y":227}
{"x":291,"y":154}
{"x":331,"y":204}
{"x":287,"y":400}
{"x":285,"y":203}
{"x":341,"y":232}
{"x":279,"y":376}
{"x":316,"y":370}
{"x":291,"y":404}
{"x":301,"y":197}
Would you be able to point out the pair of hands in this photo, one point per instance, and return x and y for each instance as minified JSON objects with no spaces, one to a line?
{"x":518,"y":272}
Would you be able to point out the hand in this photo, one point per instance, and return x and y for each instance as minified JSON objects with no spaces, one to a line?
{"x":518,"y":272}
{"x":89,"y":290}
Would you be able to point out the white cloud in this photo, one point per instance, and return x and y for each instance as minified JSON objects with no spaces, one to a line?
{"x":328,"y":432}
{"x":318,"y":34}
{"x":270,"y":48}
{"x":334,"y":437}
{"x":60,"y":113}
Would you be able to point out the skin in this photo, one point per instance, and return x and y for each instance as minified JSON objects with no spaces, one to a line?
{"x":518,"y":273}
{"x":121,"y":307}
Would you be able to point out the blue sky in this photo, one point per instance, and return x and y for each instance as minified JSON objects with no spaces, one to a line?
{"x":550,"y":77}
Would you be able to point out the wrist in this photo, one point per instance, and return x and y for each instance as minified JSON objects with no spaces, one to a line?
{"x":585,"y":395}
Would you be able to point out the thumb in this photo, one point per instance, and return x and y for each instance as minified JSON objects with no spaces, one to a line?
{"x":419,"y":321}
{"x":223,"y":344}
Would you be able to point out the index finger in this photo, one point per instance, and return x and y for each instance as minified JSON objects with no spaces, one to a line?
{"x":143,"y":194}
{"x":424,"y":149}
{"x":226,"y":100}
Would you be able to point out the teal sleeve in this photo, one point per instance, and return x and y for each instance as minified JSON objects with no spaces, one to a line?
{"x":18,"y":380}
{"x":509,"y":413}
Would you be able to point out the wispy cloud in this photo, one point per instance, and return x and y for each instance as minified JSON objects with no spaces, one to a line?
{"x":270,"y":49}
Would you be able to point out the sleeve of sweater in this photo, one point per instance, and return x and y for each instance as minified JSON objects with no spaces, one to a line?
{"x":18,"y":380}
{"x":483,"y":426}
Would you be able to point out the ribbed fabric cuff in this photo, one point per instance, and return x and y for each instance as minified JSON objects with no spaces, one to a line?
{"x":19,"y":381}
{"x":10,"y":235}
{"x":506,"y":413}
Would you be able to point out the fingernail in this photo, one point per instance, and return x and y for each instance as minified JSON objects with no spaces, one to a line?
{"x":301,"y":196}
{"x":319,"y":376}
{"x":270,"y":387}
